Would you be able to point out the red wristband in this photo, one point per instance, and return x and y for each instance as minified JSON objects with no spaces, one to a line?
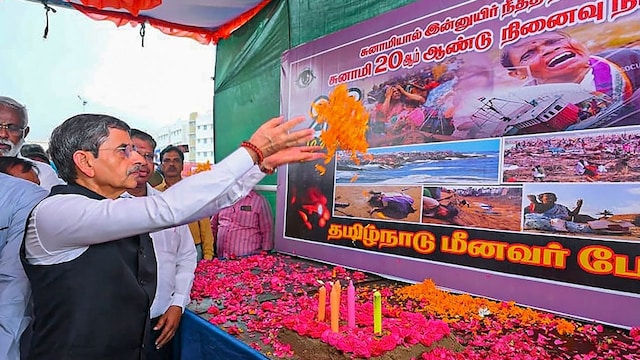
{"x":267,"y":170}
{"x":255,"y":149}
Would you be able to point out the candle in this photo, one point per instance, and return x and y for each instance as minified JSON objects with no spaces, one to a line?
{"x":377,"y":313}
{"x":351,"y":305}
{"x":335,"y":306}
{"x":322,"y":302}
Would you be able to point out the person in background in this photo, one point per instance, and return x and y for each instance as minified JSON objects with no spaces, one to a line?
{"x":538,"y":173}
{"x":14,"y":127}
{"x":546,"y":204}
{"x":245,"y":228}
{"x":34,"y":152}
{"x":176,"y":258}
{"x":395,"y":205}
{"x":156,"y":178}
{"x":87,"y":251}
{"x":19,"y":168}
{"x":172,"y":159}
{"x":17,"y":198}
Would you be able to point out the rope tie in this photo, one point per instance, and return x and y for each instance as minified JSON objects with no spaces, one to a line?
{"x":142,"y":33}
{"x":47,"y":8}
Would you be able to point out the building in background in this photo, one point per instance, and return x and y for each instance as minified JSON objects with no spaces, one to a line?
{"x":194,"y":133}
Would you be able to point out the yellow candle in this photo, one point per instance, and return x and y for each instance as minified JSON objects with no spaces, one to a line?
{"x":377,"y":313}
{"x":335,"y":306}
{"x":322,"y":302}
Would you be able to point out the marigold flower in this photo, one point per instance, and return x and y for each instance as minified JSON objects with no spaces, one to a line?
{"x":347,"y":123}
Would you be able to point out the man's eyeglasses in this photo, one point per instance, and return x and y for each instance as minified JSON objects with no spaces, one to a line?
{"x":12,"y":129}
{"x":147,"y":156}
{"x":126,"y":150}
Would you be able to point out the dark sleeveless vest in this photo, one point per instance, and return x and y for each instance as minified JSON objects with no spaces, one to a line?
{"x":95,"y":307}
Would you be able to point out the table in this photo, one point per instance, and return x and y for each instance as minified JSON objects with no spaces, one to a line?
{"x":200,"y":340}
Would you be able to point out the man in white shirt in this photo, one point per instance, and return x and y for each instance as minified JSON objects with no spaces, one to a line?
{"x":14,"y":128}
{"x":17,"y":198}
{"x":176,"y":257}
{"x":87,"y":251}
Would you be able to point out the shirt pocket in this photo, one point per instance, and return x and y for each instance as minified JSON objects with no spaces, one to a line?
{"x":247,"y":219}
{"x":166,"y":241}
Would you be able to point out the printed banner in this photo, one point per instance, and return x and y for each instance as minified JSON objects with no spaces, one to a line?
{"x":504,"y":137}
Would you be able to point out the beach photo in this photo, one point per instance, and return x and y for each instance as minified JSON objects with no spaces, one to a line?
{"x":397,"y":203}
{"x":581,"y":210}
{"x":604,"y":155}
{"x":487,"y":207}
{"x":451,"y":162}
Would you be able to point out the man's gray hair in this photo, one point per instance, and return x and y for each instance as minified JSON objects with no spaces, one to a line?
{"x":81,"y":132}
{"x":17,"y":107}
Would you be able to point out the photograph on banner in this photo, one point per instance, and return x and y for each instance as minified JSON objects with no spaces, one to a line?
{"x":602,"y":155}
{"x":503,"y":79}
{"x":487,"y":207}
{"x":309,"y":201}
{"x":571,"y":79}
{"x":568,"y":76}
{"x":380,"y":202}
{"x":581,"y":210}
{"x":474,"y":161}
{"x":421,"y":105}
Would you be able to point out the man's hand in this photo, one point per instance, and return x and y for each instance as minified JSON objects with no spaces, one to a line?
{"x":294,"y":154}
{"x":275,"y":135}
{"x":168,"y":323}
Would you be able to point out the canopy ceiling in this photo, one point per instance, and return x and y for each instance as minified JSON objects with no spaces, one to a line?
{"x":205,"y":21}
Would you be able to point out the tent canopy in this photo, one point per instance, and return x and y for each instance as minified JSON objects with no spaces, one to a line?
{"x":205,"y":21}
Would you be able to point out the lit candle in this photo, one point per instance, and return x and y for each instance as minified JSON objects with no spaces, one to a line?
{"x":377,"y":313}
{"x":335,"y":306}
{"x":322,"y":302}
{"x":351,"y":305}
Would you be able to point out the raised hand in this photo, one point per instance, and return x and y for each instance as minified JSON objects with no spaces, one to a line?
{"x":276,"y":135}
{"x":293,"y":154}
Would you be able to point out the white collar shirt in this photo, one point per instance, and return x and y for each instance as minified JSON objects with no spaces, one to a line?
{"x":62,"y":227}
{"x":176,"y":259}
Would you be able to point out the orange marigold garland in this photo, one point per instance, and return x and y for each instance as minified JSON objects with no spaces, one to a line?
{"x":452,"y":307}
{"x":347,"y":123}
{"x":200,"y":167}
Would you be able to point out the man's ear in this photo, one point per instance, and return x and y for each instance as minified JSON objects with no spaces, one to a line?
{"x":84,"y":162}
{"x":518,"y":74}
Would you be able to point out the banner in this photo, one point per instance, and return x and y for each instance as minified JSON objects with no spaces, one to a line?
{"x":504,"y":139}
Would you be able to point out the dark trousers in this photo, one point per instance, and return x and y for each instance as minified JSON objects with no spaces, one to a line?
{"x":165,"y":352}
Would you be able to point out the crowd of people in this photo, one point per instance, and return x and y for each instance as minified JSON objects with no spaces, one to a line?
{"x":95,"y":263}
{"x":412,"y":106}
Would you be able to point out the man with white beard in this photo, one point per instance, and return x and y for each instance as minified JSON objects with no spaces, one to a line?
{"x":14,"y":127}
